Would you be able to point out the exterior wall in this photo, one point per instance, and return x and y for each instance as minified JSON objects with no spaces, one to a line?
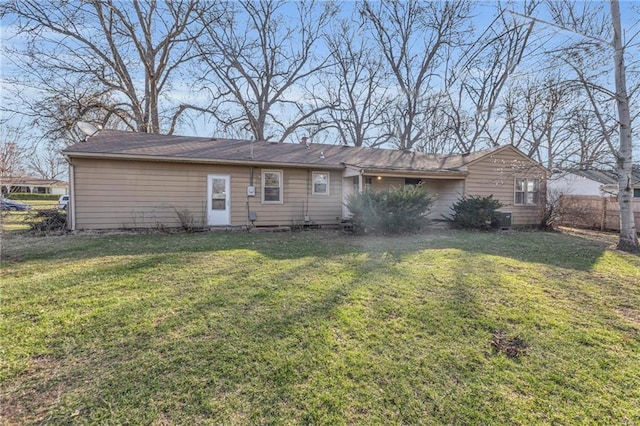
{"x":445,"y":191}
{"x":57,"y":190}
{"x":299,"y":200}
{"x":495,"y":175}
{"x":138,"y":194}
{"x":570,"y":184}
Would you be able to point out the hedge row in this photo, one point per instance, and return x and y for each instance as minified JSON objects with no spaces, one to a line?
{"x":28,"y":196}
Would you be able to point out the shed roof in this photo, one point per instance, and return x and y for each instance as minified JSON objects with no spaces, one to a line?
{"x":147,"y":146}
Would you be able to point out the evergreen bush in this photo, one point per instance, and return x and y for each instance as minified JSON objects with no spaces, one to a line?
{"x":390,"y":211}
{"x":475,"y":212}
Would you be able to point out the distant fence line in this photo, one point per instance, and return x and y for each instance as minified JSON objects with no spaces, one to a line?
{"x":594,"y":212}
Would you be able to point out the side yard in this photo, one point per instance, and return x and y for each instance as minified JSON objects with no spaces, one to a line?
{"x":319,"y":328}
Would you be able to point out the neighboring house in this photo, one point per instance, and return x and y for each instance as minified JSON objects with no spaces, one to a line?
{"x":135,"y":180}
{"x":33,"y":185}
{"x":590,"y":182}
{"x":588,"y":198}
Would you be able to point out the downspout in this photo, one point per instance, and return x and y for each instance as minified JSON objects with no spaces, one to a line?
{"x":71,"y":207}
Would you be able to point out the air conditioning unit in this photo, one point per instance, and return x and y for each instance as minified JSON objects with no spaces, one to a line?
{"x":503,"y":220}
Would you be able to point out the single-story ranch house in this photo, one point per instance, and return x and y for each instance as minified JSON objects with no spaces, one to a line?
{"x":122,"y":179}
{"x":32,"y":185}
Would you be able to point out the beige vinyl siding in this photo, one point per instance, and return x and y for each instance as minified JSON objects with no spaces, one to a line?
{"x":138,"y":194}
{"x":299,"y":200}
{"x":385,"y":182}
{"x":446,"y":192}
{"x":495,"y":175}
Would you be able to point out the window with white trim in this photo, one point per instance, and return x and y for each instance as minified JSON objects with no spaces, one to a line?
{"x":320,"y":183}
{"x":368,"y":182}
{"x":356,"y":184}
{"x":272,"y":186}
{"x":527,"y":191}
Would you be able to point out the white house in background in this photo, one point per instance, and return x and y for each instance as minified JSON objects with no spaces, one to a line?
{"x":33,"y":185}
{"x":590,"y":182}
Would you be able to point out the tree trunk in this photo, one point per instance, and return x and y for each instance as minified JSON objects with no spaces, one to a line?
{"x":628,"y":238}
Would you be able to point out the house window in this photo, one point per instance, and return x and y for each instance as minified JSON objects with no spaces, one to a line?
{"x":367,"y":183}
{"x":356,"y":184}
{"x":412,"y":182}
{"x":636,"y":193}
{"x":320,"y":183}
{"x":527,"y":191}
{"x":272,"y":186}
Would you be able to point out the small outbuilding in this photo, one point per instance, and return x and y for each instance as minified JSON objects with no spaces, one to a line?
{"x":123,"y":179}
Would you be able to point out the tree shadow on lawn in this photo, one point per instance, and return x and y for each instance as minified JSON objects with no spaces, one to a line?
{"x":207,"y":349}
{"x":546,"y":248}
{"x":201,"y":356}
{"x":554,"y":249}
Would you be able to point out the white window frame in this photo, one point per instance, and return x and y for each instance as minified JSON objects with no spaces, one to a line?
{"x":313,"y":183}
{"x":281,"y":192}
{"x":526,"y":192}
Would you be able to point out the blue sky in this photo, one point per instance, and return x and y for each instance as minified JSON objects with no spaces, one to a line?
{"x":483,"y":12}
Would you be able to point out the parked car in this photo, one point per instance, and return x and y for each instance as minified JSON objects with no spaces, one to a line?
{"x":6,"y":204}
{"x":63,"y":202}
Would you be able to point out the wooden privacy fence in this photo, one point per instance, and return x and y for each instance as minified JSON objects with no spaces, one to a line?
{"x":592,"y":211}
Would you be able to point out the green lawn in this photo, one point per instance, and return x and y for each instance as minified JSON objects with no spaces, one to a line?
{"x":318,"y":328}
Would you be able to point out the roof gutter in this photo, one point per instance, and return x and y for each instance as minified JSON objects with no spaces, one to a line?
{"x":432,"y":174}
{"x":248,"y":162}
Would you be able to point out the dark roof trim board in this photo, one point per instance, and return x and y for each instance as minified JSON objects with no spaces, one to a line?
{"x":158,"y":158}
{"x":115,"y":144}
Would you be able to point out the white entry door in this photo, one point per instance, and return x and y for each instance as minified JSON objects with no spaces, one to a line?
{"x":218,"y":201}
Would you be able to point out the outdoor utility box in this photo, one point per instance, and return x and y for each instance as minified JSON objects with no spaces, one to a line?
{"x":503,"y":220}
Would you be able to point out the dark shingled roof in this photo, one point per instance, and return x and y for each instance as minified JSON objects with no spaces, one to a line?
{"x":120,"y":144}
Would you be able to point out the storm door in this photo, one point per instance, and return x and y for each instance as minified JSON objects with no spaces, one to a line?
{"x":218,"y":201}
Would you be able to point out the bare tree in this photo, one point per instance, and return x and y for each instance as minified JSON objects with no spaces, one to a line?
{"x":259,"y":63}
{"x":539,"y":112}
{"x":593,"y":27}
{"x":12,"y":156}
{"x":476,"y":81}
{"x":413,"y":37}
{"x":123,"y":54}
{"x":624,"y":154}
{"x":47,"y":163}
{"x":355,"y":86}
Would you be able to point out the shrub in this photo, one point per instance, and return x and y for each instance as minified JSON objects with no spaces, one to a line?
{"x":46,"y":221}
{"x":391,"y":211}
{"x":552,"y":212}
{"x":28,"y":196}
{"x":475,"y":212}
{"x":186,"y":219}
